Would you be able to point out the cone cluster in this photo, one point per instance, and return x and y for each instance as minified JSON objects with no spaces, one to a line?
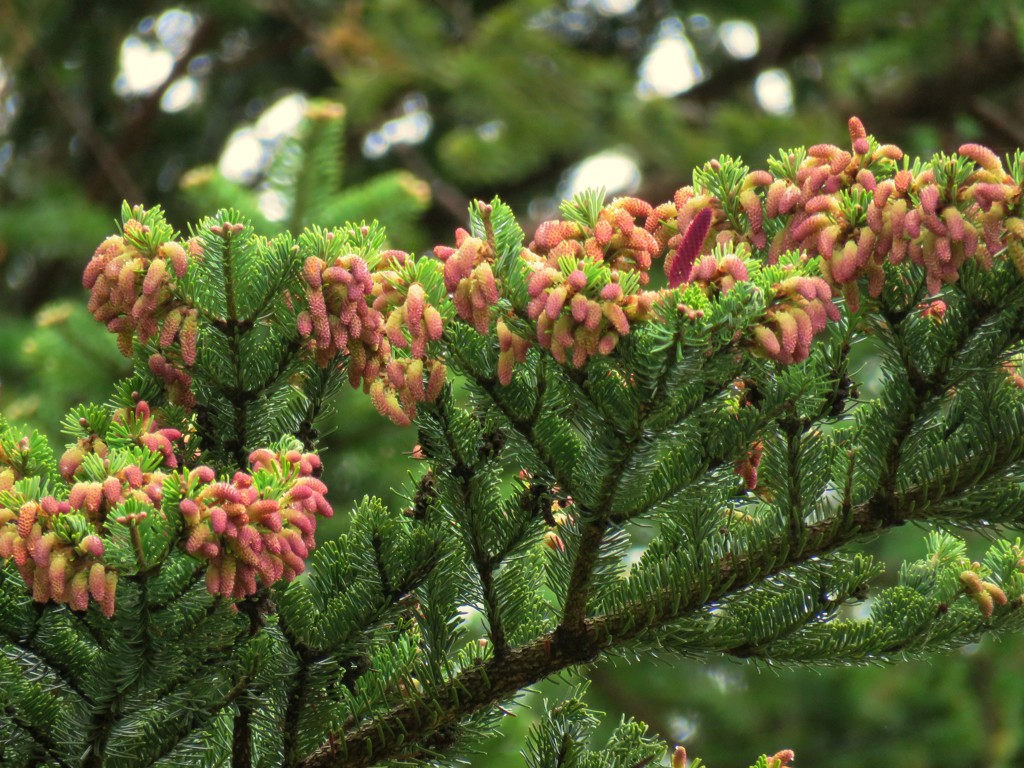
{"x":57,"y":545}
{"x":469,"y":279}
{"x":575,"y":286}
{"x":855,"y":210}
{"x":132,"y":293}
{"x":257,"y":528}
{"x":368,"y":315}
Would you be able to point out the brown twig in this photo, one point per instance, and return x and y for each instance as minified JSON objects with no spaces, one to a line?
{"x":109,"y":161}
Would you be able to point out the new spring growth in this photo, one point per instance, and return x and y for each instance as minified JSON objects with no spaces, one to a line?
{"x":747,"y":467}
{"x":512,"y":349}
{"x":469,"y":277}
{"x":10,"y":463}
{"x":801,"y":308}
{"x":177,"y":383}
{"x":934,"y":309}
{"x":257,"y":527}
{"x":339,"y":318}
{"x":780,"y":759}
{"x":57,"y":545}
{"x":679,"y":264}
{"x":412,"y":323}
{"x":986,"y":594}
{"x":841,"y":212}
{"x":144,"y":429}
{"x":799,"y":311}
{"x":556,"y":518}
{"x":132,"y":291}
{"x":57,"y":551}
{"x":1011,"y":367}
{"x":368,"y":315}
{"x":577,"y":278}
{"x":586,"y":310}
{"x":856,"y":209}
{"x":254,"y":528}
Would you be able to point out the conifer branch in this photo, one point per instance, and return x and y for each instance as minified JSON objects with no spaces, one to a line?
{"x":578,"y":591}
{"x":296,"y":703}
{"x":525,"y":427}
{"x":57,"y":665}
{"x":487,"y":683}
{"x":614,"y":402}
{"x":241,"y":738}
{"x":43,"y":742}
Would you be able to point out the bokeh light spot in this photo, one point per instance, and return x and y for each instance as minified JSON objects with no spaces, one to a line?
{"x":180,"y":95}
{"x":739,"y":39}
{"x":671,"y":66}
{"x":243,"y":158}
{"x":144,"y":67}
{"x":774,"y":92}
{"x":612,"y":169}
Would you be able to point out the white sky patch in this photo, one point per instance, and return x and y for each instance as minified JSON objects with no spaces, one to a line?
{"x":614,"y":7}
{"x":725,"y":680}
{"x":408,"y":129}
{"x":774,"y":92}
{"x":739,"y":38}
{"x":174,"y":29}
{"x":375,"y":145}
{"x":146,"y":64}
{"x":671,"y":66}
{"x":616,"y":171}
{"x":180,"y":95}
{"x":273,"y":204}
{"x":633,"y":556}
{"x":683,"y":727}
{"x":282,"y":118}
{"x":248,"y":151}
{"x":244,"y":156}
{"x":144,"y":67}
{"x":413,"y":126}
{"x":862,"y":610}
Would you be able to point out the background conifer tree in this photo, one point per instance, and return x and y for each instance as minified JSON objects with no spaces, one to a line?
{"x":71,"y":149}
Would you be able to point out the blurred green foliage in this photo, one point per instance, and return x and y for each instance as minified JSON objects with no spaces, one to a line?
{"x":451,"y":100}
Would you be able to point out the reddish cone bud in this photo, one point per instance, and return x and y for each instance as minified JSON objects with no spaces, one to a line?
{"x":678,"y":269}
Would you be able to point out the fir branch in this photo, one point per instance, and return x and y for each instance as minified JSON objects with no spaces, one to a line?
{"x":485,"y":684}
{"x":188,"y":726}
{"x":43,"y":742}
{"x":1001,"y":459}
{"x":59,"y":666}
{"x":235,"y":445}
{"x":296,"y":703}
{"x":793,"y":431}
{"x":484,"y":563}
{"x":578,"y":592}
{"x":627,"y":400}
{"x":525,"y":427}
{"x":108,"y":711}
{"x":241,"y":738}
{"x":255,"y":608}
{"x":926,"y":391}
